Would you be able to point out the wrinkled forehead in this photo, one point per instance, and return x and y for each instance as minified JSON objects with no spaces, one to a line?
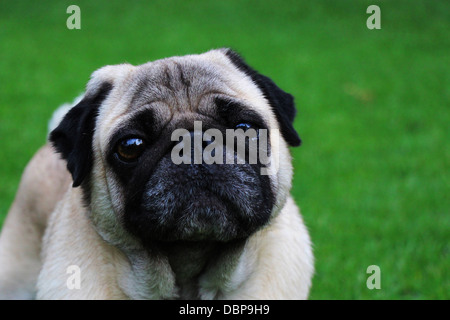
{"x":178,"y":82}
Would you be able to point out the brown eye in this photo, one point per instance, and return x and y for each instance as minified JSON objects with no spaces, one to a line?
{"x":130,"y":149}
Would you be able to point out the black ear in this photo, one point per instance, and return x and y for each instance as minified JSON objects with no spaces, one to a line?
{"x":281,"y":102}
{"x":73,"y":136}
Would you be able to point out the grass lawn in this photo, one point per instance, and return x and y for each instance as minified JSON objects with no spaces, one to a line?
{"x":372,"y":176}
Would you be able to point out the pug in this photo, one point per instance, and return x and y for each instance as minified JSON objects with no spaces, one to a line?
{"x":103,"y":211}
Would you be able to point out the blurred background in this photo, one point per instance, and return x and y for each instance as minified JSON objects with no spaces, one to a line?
{"x":372,"y":176}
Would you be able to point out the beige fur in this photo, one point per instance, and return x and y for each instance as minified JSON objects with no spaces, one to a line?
{"x":43,"y":183}
{"x":274,"y":263}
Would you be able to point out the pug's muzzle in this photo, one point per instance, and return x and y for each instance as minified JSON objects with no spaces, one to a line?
{"x":220,"y":202}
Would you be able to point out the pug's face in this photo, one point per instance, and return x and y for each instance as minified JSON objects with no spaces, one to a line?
{"x":121,"y":147}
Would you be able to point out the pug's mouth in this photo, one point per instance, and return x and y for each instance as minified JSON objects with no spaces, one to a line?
{"x":204,"y":215}
{"x":208,"y":216}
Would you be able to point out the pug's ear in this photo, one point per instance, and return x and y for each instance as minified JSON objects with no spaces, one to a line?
{"x":72,"y":138}
{"x":282,"y":103}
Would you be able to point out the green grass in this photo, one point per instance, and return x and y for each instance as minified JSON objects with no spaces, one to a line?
{"x":372,"y":177}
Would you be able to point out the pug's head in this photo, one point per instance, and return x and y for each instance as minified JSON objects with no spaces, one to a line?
{"x":120,"y":147}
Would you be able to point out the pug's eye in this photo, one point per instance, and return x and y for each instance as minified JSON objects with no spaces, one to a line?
{"x":244,"y":126}
{"x":129,"y":149}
